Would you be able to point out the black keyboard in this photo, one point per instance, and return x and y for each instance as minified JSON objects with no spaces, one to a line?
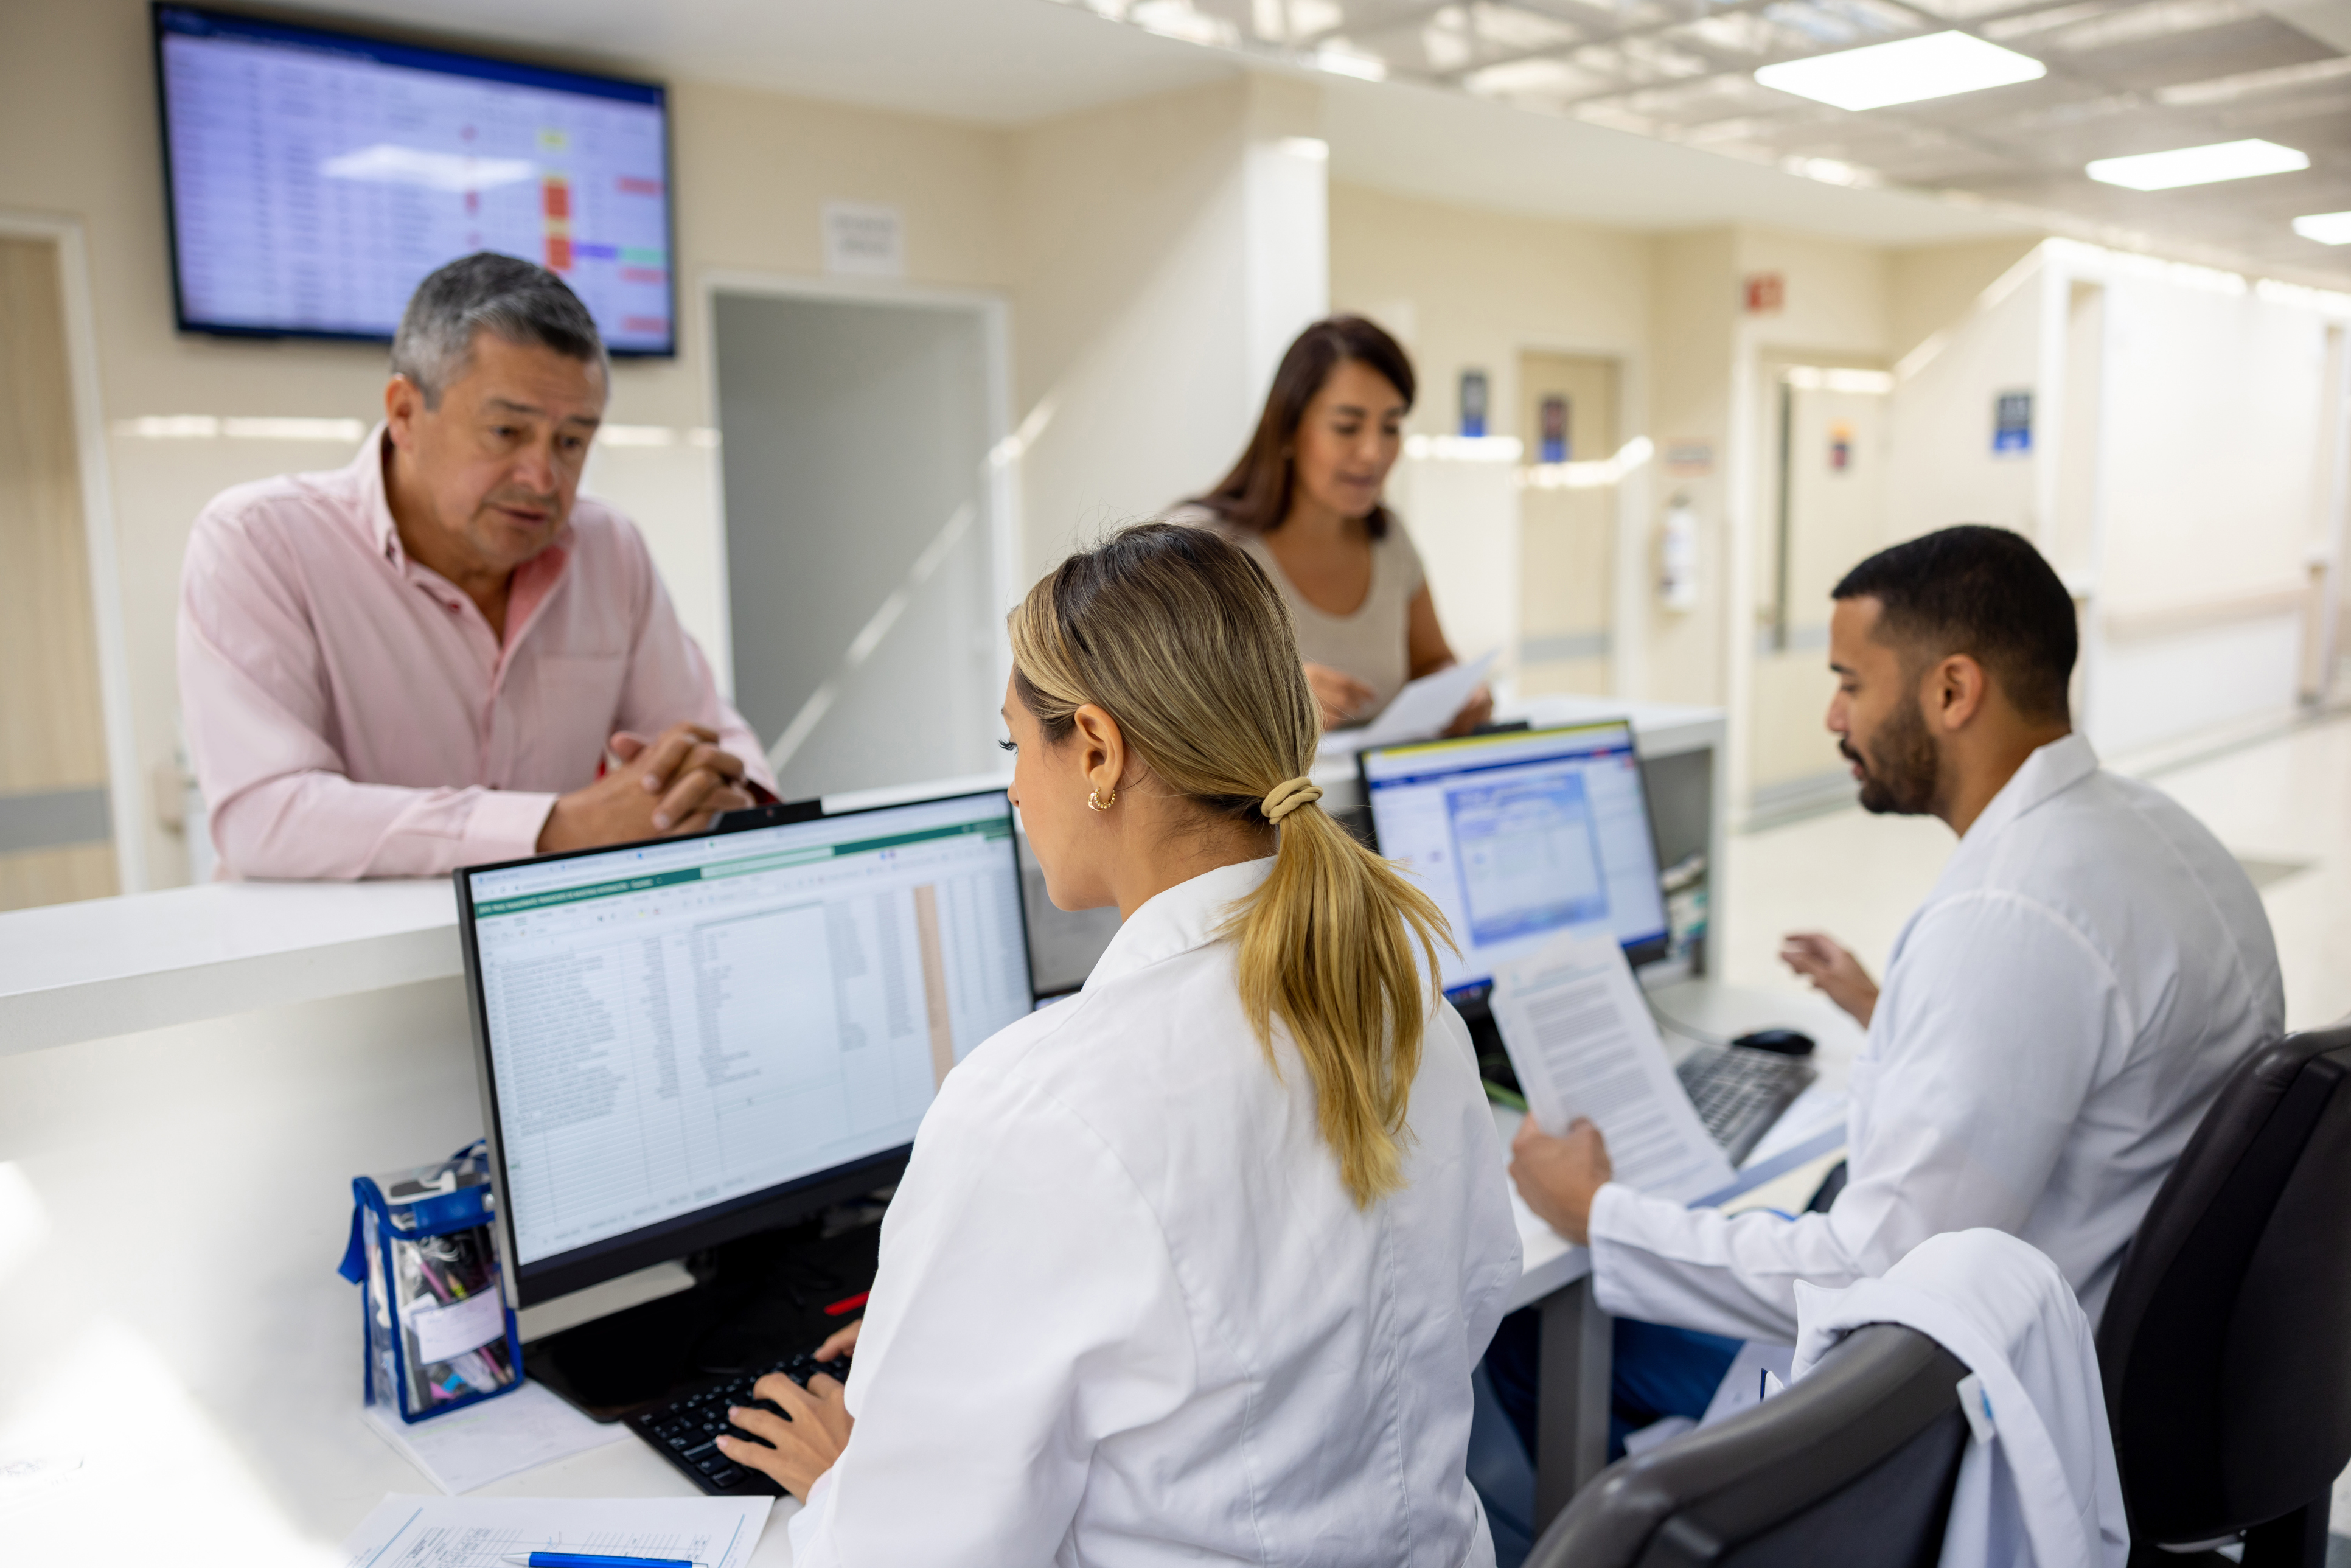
{"x":685,"y":1429}
{"x":1739,"y":1090}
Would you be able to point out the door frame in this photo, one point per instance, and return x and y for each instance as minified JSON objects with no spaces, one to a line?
{"x":1003,"y":488}
{"x":1632,"y":571}
{"x":125,"y":799}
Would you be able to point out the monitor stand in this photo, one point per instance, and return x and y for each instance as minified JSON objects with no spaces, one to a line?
{"x":754,"y":1301}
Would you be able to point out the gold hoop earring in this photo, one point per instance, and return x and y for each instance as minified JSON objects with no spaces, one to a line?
{"x":1095,"y":802}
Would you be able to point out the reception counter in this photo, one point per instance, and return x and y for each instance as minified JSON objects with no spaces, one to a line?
{"x":188,"y":1081}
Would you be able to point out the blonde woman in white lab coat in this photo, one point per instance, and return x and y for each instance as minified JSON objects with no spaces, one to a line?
{"x":1193,"y":1266}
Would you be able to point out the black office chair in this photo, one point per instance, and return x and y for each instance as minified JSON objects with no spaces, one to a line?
{"x":1852,"y":1466}
{"x":2226,"y":1346}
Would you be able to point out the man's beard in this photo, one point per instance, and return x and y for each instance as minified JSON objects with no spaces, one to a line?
{"x":1902,"y":768}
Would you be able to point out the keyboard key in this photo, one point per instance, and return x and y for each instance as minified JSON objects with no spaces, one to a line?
{"x":727,"y":1477}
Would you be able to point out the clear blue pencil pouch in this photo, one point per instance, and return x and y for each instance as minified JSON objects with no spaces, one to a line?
{"x":423,"y":1250}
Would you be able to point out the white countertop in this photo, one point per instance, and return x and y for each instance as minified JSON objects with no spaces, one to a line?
{"x":73,"y":972}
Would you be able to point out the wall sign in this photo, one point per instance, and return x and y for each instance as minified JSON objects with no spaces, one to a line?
{"x":1555,"y":448}
{"x":865,"y":239}
{"x":1767,"y":293}
{"x":1473,"y":403}
{"x":2012,"y":423}
{"x":1840,"y":447}
{"x":1689,"y":459}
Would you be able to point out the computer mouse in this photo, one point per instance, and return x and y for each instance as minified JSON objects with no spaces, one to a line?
{"x":1786,"y":1041}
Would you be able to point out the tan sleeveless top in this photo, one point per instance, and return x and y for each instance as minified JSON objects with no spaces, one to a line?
{"x":1373,"y":643}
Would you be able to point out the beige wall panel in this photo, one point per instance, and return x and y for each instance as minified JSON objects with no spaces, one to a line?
{"x":1930,"y":289}
{"x":57,"y":877}
{"x":1791,"y":738}
{"x":1695,"y":323}
{"x":1568,"y":547}
{"x":1468,"y":289}
{"x":52,"y":732}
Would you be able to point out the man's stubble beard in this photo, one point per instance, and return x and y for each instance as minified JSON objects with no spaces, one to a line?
{"x":1900,"y":769}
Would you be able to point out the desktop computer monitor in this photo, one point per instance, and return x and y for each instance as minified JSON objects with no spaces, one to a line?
{"x":685,"y":1041}
{"x":1521,"y":835}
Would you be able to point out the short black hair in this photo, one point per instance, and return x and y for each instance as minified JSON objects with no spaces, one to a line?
{"x":1982,"y":591}
{"x":506,"y":296}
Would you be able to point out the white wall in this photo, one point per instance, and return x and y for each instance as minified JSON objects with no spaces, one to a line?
{"x":2179,"y":475}
{"x":1169,"y":250}
{"x":1944,"y":468}
{"x":2213,"y":458}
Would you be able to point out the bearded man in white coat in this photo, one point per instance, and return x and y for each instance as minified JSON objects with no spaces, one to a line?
{"x":2056,"y":1017}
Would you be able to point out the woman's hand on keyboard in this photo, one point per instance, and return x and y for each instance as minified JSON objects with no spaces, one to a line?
{"x":807,"y":1438}
{"x":843,"y":1342}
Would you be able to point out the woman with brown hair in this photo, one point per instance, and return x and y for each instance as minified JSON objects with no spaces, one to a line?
{"x":1192,"y":1267}
{"x":1305,"y":501}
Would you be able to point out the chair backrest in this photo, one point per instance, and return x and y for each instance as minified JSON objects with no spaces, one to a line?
{"x":1854,"y":1465}
{"x":2226,"y":1345}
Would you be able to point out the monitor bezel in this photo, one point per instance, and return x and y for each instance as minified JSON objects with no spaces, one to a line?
{"x":1640,"y":955}
{"x":787,"y":1203}
{"x":180,"y":317}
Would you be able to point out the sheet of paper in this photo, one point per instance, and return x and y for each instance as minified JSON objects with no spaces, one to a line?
{"x":476,"y":1532}
{"x":1423,"y":707}
{"x":1582,"y":1044}
{"x":498,"y":1438}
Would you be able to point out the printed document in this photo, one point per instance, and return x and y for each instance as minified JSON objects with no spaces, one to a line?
{"x":478,"y":1533}
{"x":1423,"y":708}
{"x":1582,"y":1044}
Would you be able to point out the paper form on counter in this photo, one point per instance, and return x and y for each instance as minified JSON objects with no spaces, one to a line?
{"x":478,"y":1531}
{"x":1582,"y":1044}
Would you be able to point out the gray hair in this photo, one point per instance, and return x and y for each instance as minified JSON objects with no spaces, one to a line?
{"x":517,"y":301}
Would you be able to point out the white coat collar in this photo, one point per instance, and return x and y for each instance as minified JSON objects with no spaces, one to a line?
{"x":2051,"y":771}
{"x":1179,"y":919}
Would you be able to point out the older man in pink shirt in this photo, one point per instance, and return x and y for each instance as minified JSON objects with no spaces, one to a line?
{"x":422,"y":661}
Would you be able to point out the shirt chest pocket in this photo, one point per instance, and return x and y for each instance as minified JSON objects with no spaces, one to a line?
{"x":568,"y":711}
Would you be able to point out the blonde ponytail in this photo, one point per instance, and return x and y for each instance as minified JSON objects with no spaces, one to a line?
{"x":1180,"y":637}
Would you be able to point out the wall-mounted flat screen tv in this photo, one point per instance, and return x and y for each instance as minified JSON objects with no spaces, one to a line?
{"x":315,"y":177}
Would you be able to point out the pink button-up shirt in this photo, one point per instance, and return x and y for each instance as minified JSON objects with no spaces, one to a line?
{"x":350,"y":712}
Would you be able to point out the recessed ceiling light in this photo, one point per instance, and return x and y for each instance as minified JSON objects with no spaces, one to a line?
{"x":2326,"y":228}
{"x":1904,"y":71}
{"x":2198,"y":165}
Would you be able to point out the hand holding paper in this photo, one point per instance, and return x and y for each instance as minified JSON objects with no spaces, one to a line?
{"x":1582,"y":1045}
{"x":1422,"y":710}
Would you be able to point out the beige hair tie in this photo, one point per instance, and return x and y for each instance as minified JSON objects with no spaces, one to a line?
{"x":1287,"y":797}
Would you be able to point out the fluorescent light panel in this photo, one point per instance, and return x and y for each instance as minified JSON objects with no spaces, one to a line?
{"x":2326,"y":228}
{"x":1908,"y":70}
{"x":2198,"y":165}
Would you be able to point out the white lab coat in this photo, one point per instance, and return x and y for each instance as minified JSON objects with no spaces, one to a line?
{"x":1127,"y":1314}
{"x":2056,"y":1019}
{"x":2042,"y":1490}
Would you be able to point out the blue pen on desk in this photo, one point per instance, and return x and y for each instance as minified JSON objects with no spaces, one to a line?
{"x":593,"y":1560}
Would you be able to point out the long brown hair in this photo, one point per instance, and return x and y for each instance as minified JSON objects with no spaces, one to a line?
{"x":1182,"y":639}
{"x":1256,"y":494}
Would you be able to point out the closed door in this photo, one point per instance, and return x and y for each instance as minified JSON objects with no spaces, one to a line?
{"x":55,"y":823}
{"x":1829,"y":513}
{"x":1567,"y":420}
{"x":867,"y":635}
